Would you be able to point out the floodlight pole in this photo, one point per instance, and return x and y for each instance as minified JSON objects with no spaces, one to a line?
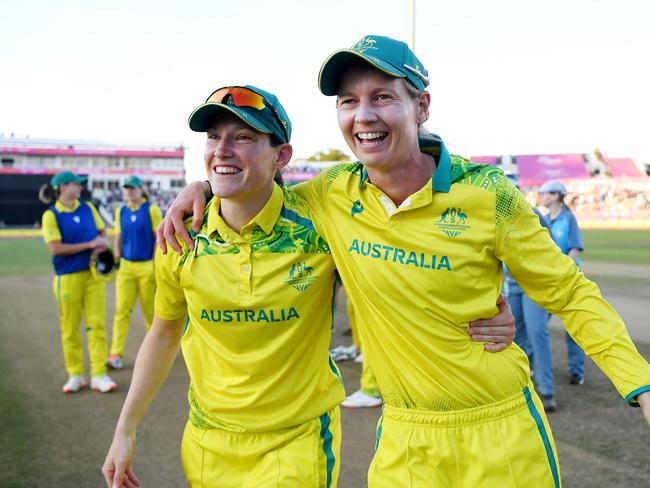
{"x":413,"y":25}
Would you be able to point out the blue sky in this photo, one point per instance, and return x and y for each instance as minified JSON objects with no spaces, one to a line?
{"x":508,"y":77}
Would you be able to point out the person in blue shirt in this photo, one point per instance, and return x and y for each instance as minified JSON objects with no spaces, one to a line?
{"x":565,"y":232}
{"x":531,"y":322}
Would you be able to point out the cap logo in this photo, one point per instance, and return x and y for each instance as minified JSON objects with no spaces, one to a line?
{"x":363,"y":45}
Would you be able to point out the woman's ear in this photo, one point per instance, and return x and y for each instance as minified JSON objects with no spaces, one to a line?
{"x":284,"y":154}
{"x":423,"y":101}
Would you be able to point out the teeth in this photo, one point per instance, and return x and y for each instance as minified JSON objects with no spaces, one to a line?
{"x":226,"y":170}
{"x":370,"y":135}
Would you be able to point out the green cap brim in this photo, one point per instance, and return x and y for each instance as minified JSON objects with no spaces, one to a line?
{"x":334,"y":66}
{"x":202,"y":119}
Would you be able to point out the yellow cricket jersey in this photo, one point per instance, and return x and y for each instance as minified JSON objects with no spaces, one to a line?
{"x":417,"y":274}
{"x":154,"y":213}
{"x":50,"y":228}
{"x":259,"y":307}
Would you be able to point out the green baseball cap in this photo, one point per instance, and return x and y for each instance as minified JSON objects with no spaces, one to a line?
{"x":388,"y":55}
{"x":132,"y":182}
{"x":66,"y":177}
{"x":258,"y":108}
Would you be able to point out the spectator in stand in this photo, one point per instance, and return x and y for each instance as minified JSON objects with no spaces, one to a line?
{"x":565,"y":231}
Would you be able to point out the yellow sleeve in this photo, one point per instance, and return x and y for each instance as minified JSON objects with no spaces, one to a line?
{"x":99,"y":223}
{"x":553,"y":281}
{"x":118,"y":225}
{"x":170,"y":300}
{"x":156,"y":216}
{"x":49,"y":227}
{"x":311,"y":192}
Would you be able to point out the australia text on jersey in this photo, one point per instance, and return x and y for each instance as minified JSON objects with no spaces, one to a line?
{"x":398,"y":255}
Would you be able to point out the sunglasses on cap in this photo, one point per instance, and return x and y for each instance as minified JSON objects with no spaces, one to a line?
{"x":245,"y":97}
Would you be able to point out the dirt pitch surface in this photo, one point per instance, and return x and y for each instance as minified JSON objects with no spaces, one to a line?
{"x":51,"y":439}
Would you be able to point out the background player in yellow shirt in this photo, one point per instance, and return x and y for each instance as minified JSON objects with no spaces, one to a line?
{"x":419,"y":239}
{"x":72,"y":230}
{"x":135,"y":224}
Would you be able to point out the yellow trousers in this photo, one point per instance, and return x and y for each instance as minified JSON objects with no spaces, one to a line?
{"x":507,"y":444}
{"x":133,"y":278}
{"x":74,"y":293}
{"x":307,"y":455}
{"x":368,"y":381}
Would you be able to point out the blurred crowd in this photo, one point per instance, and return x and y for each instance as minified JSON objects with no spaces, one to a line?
{"x":604,"y":202}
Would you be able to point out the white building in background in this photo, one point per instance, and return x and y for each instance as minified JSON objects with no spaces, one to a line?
{"x":105,"y":164}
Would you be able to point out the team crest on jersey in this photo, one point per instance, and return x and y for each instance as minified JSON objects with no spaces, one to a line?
{"x":453,"y":221}
{"x":133,"y":218}
{"x":357,"y":207}
{"x":301,"y":275}
{"x":363,"y":45}
{"x":76,"y":219}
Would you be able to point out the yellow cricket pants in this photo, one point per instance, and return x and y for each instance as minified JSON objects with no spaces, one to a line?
{"x":75,"y":292}
{"x":303,"y":456}
{"x":368,"y":381}
{"x":133,"y":278}
{"x":505,"y":444}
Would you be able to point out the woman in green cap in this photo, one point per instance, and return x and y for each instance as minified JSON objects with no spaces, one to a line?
{"x":135,"y":226}
{"x":73,"y":230}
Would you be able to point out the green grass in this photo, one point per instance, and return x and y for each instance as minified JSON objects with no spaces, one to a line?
{"x":24,"y":257}
{"x":30,"y":256}
{"x":617,"y":246}
{"x":17,"y":458}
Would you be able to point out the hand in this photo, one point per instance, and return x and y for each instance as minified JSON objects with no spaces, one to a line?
{"x":117,"y":466}
{"x":644,"y":402}
{"x":190,"y":201}
{"x":499,"y":330}
{"x":98,"y":244}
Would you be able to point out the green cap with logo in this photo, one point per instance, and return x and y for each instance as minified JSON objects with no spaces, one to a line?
{"x":388,"y":55}
{"x":256,"y":107}
{"x":132,"y":182}
{"x":66,"y":177}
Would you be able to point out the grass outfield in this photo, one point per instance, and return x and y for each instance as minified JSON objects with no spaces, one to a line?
{"x":24,"y":257}
{"x":29,"y":256}
{"x":617,"y":246}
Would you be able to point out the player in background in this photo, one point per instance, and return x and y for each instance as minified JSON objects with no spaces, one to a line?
{"x":567,"y":235}
{"x":134,"y":245}
{"x":73,"y":230}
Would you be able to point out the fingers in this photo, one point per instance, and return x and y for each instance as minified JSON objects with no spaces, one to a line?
{"x":197,"y":214}
{"x":494,"y":347}
{"x":492,"y":338}
{"x":178,"y":225}
{"x":109,"y":472}
{"x":131,"y":481}
{"x":160,"y":238}
{"x":170,"y":237}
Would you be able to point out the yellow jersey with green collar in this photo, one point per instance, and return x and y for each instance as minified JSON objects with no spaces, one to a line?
{"x":417,"y":274}
{"x":259,"y":317}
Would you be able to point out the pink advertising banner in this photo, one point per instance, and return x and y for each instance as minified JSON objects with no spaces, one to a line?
{"x":536,"y":169}
{"x":622,"y":167}
{"x":485,"y":159}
